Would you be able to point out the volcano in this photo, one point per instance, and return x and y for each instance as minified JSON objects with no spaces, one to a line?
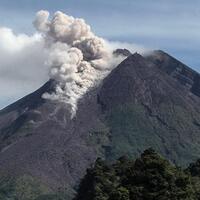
{"x":146,"y":101}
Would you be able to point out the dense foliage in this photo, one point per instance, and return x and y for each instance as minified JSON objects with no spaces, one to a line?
{"x":149,"y":177}
{"x":27,"y":188}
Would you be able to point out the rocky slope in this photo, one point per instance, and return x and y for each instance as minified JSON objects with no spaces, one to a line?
{"x":183,"y":74}
{"x":145,"y":102}
{"x":145,"y":106}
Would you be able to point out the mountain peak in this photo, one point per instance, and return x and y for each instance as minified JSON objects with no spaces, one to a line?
{"x":126,"y":82}
{"x":133,"y":59}
{"x":136,"y":55}
{"x":123,"y":52}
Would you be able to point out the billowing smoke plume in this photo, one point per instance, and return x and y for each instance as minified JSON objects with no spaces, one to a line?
{"x":77,"y":57}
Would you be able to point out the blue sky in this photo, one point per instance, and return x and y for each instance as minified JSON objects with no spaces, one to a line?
{"x":172,"y":25}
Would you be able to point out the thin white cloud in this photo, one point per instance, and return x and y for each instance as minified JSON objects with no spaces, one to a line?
{"x":22,"y":67}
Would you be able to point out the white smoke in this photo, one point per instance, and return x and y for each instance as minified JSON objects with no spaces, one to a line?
{"x":77,"y":57}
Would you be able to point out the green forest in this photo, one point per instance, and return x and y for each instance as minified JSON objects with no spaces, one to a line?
{"x":149,"y":177}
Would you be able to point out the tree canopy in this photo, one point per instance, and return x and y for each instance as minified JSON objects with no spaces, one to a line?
{"x":150,"y":177}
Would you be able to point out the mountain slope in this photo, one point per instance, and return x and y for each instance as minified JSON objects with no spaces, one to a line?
{"x":183,"y":74}
{"x":139,"y":105}
{"x":144,"y":106}
{"x":40,"y":139}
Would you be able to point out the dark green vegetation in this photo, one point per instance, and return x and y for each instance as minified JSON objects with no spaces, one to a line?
{"x":27,"y":188}
{"x":149,"y":177}
{"x":134,"y":129}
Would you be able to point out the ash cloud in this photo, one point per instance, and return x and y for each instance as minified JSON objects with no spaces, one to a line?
{"x":65,"y":46}
{"x":78,"y":58}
